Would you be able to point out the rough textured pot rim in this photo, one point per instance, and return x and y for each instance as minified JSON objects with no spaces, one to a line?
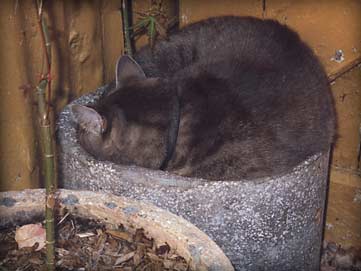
{"x":20,"y":207}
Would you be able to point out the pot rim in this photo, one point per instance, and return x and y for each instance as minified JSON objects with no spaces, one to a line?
{"x":21,"y":207}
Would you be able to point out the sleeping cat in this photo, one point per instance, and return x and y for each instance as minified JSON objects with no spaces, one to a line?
{"x":227,"y":98}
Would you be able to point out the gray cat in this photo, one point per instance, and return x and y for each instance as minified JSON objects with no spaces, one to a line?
{"x":225,"y":98}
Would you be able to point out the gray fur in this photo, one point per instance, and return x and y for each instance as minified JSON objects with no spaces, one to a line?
{"x":254,"y":102}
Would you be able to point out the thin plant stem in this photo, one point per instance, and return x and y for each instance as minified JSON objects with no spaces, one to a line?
{"x":47,"y":141}
{"x":49,"y":173}
{"x":45,"y":41}
{"x":126,"y":28}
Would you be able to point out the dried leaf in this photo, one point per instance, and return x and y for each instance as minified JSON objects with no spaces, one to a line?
{"x":85,"y":234}
{"x":137,"y":258}
{"x":62,"y":252}
{"x":153,"y":257}
{"x":168,"y":264}
{"x":138,"y":236}
{"x":124,"y":258}
{"x":180,"y":266}
{"x":105,"y":250}
{"x":29,"y":235}
{"x":121,"y":235}
{"x":35,"y":259}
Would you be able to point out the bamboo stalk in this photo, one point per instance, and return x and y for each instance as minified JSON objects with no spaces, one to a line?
{"x":47,"y":142}
{"x":126,"y":28}
{"x":49,"y":173}
{"x":47,"y":44}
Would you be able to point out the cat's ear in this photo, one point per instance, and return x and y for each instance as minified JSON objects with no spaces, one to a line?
{"x":127,"y":68}
{"x":88,"y":119}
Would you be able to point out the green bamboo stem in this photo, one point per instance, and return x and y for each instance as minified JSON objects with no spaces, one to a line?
{"x":47,"y":144}
{"x":126,"y":28}
{"x":49,"y":173}
{"x":46,"y":42}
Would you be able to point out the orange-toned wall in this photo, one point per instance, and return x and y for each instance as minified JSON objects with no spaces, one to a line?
{"x":87,"y":39}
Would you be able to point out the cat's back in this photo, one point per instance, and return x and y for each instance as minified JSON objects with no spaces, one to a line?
{"x":272,"y":106}
{"x":248,"y":39}
{"x":246,"y":32}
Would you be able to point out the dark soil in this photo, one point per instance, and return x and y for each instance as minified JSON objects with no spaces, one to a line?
{"x":87,"y":245}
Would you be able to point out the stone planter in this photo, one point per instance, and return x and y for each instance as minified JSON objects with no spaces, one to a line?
{"x":267,"y":224}
{"x":197,"y":248}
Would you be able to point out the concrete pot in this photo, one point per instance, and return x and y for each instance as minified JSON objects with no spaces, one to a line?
{"x":265,"y":224}
{"x":197,"y":248}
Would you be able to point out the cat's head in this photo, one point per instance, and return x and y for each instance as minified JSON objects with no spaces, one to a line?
{"x":129,"y":125}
